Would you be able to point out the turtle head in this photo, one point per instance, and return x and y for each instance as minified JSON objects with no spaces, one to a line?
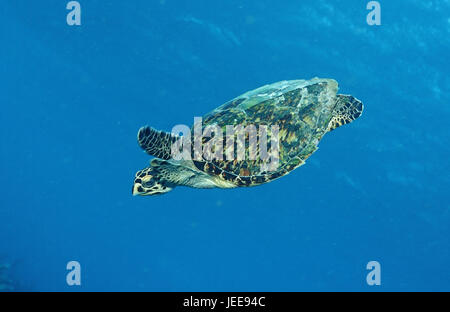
{"x":148,"y":182}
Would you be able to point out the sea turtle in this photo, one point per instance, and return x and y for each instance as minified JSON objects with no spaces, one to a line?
{"x":302,"y":110}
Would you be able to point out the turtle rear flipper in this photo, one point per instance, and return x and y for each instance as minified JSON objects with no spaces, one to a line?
{"x":347,"y":109}
{"x":156,"y":143}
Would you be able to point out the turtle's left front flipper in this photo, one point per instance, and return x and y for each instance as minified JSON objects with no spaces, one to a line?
{"x":156,"y":143}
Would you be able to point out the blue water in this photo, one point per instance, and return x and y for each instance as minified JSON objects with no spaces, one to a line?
{"x":73,"y":97}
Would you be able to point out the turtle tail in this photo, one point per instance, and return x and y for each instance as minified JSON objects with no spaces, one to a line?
{"x":346,"y":109}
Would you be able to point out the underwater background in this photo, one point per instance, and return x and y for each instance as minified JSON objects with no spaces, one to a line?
{"x":73,"y":98}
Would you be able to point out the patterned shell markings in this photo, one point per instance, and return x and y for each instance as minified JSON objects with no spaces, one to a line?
{"x":302,"y":110}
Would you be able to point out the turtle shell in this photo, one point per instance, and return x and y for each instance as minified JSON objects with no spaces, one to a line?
{"x":302,"y":110}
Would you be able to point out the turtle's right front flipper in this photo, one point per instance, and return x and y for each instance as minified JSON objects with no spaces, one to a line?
{"x":156,"y":143}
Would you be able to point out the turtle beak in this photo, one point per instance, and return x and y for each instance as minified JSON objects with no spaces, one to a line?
{"x":135,"y":189}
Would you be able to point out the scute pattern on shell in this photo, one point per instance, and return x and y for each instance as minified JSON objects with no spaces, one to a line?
{"x":302,"y":109}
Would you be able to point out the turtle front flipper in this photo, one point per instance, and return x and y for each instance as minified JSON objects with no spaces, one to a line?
{"x":156,"y":143}
{"x":347,"y":109}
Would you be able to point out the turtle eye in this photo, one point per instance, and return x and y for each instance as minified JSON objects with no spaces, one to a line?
{"x":148,"y":184}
